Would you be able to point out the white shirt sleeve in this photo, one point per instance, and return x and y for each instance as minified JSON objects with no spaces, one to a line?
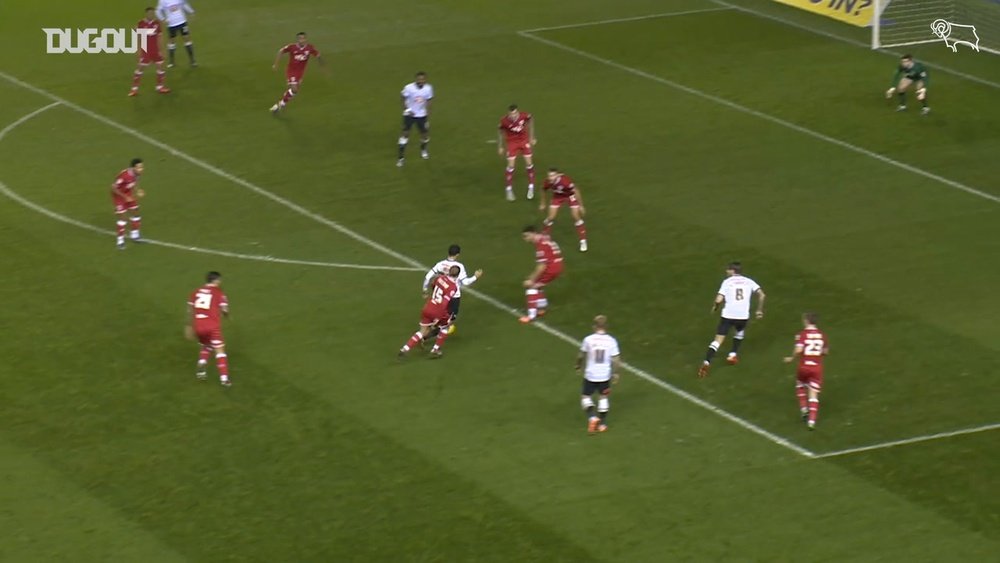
{"x":161,"y":10}
{"x":427,"y":278}
{"x":722,"y":289}
{"x":584,"y":346}
{"x":430,"y":92}
{"x":188,"y":8}
{"x":614,"y":351}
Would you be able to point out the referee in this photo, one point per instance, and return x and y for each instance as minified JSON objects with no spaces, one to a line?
{"x":416,"y":100}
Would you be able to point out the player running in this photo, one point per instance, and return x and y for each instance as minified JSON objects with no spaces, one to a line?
{"x":175,"y":13}
{"x":442,"y":268}
{"x":734,"y":296}
{"x":416,"y":98}
{"x":548,"y":258}
{"x":150,"y":55}
{"x":206,"y":307}
{"x":811,"y":346}
{"x":910,"y":72}
{"x":125,"y":194}
{"x":298,"y":57}
{"x":435,"y":312}
{"x":564,"y":192}
{"x":600,"y":359}
{"x":517,"y":137}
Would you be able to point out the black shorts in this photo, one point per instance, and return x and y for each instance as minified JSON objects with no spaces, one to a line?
{"x":591,"y":387}
{"x":453,"y":306}
{"x":726,"y":324}
{"x":409,"y":121}
{"x":181,"y":29}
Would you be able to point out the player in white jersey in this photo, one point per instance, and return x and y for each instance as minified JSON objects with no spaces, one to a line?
{"x":175,"y":13}
{"x":734,"y":296}
{"x":442,"y":268}
{"x":416,"y":99}
{"x":600,"y":360}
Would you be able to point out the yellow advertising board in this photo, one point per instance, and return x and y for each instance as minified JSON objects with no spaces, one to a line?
{"x":854,"y":12}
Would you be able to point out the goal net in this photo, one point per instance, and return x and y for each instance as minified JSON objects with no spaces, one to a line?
{"x":959,"y":24}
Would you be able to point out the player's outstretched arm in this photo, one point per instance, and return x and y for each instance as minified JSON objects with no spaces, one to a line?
{"x":796,"y":352}
{"x":478,"y":274}
{"x":760,"y":304}
{"x":616,"y":368}
{"x":277,"y":58}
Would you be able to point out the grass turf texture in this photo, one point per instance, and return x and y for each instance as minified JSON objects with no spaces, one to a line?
{"x":327,"y":449}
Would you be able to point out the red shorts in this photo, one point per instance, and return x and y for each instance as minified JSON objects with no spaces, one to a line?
{"x":810,"y":376}
{"x":434,"y":317}
{"x":122,"y":205}
{"x":151,"y":57}
{"x":518,"y":148}
{"x":549,"y":275}
{"x":294,"y":78}
{"x":209,"y":335}
{"x":561,"y":200}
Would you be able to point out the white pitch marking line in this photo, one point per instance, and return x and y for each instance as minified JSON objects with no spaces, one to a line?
{"x":856,"y":43}
{"x":774,"y":438}
{"x":629,"y":19}
{"x":5,"y":190}
{"x":914,"y":440}
{"x":767,"y":117}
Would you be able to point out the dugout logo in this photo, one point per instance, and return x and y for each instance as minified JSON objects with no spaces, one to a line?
{"x":107,"y":41}
{"x":954,"y":34}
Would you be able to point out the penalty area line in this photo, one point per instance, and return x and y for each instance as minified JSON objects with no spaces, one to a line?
{"x":773,"y":438}
{"x":947,"y":182}
{"x":5,"y":190}
{"x":907,"y":441}
{"x":629,"y":19}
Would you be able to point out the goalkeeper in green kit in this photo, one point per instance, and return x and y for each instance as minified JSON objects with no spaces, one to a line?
{"x":910,"y":72}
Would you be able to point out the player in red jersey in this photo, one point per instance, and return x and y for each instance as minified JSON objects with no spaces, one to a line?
{"x":125,"y":194}
{"x":549,"y":266}
{"x":564,"y":192}
{"x":517,"y":137}
{"x":436,"y":313}
{"x":298,"y":57}
{"x":150,"y":55}
{"x":811,"y":346}
{"x":206,"y":307}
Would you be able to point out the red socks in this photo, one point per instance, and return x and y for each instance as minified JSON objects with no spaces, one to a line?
{"x":803,"y":395}
{"x":581,"y":230}
{"x":509,"y":177}
{"x":531,"y":175}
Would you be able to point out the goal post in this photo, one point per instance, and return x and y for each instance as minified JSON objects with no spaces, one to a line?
{"x":958,"y":24}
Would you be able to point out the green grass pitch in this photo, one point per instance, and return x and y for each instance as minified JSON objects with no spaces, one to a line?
{"x":697,"y":139}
